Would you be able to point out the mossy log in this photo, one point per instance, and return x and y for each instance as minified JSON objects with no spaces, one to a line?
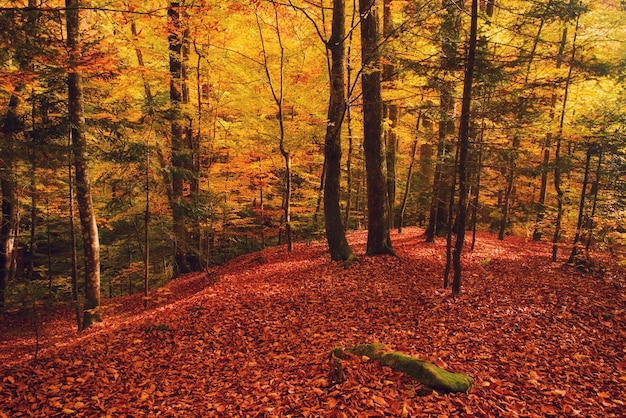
{"x":428,"y":374}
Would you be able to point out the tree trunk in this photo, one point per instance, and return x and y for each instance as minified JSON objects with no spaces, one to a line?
{"x":389,"y":77}
{"x":594,"y":192}
{"x":543,"y":190}
{"x":278,"y":95}
{"x":581,"y":206}
{"x":463,"y":150}
{"x":335,"y":231}
{"x":378,"y":239}
{"x":91,"y":245}
{"x":559,"y":139}
{"x":72,"y":222}
{"x":407,"y":186}
{"x":181,"y":152}
{"x":506,"y":204}
{"x":349,"y":163}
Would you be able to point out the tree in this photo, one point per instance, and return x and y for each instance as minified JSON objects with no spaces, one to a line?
{"x":278,"y":94}
{"x":185,"y":258}
{"x":91,"y":245}
{"x":335,"y":231}
{"x":463,"y":150}
{"x":391,"y":113}
{"x":378,"y":239}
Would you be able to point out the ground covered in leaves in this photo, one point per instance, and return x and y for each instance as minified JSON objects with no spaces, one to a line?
{"x":252,"y":338}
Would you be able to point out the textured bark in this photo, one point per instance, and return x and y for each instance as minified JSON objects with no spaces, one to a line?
{"x":463,"y":150}
{"x":407,"y":186}
{"x":279,"y":96}
{"x":91,"y":245}
{"x":378,"y":239}
{"x":185,"y":259}
{"x":581,"y":207}
{"x":335,"y":231}
{"x":389,"y":77}
{"x":558,"y":169}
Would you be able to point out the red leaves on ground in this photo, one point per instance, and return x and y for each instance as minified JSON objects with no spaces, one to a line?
{"x":253,"y":339}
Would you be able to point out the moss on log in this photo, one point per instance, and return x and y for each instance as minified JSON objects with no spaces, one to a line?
{"x":428,"y":374}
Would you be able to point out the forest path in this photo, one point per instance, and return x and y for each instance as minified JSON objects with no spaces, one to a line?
{"x":253,"y":337}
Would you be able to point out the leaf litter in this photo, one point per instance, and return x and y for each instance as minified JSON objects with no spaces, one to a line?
{"x":252,"y":339}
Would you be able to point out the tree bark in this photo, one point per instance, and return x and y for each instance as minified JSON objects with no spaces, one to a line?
{"x":559,"y":140}
{"x":463,"y":150}
{"x":91,"y":245}
{"x":378,"y":239}
{"x":181,"y":151}
{"x":581,"y":207}
{"x":279,"y":96}
{"x":335,"y":231}
{"x":389,"y":77}
{"x":407,"y":186}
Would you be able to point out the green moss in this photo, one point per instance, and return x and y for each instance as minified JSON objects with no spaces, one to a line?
{"x":427,"y":373}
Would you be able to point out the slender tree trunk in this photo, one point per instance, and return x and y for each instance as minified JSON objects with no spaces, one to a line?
{"x":89,"y":227}
{"x":479,"y":168}
{"x":559,"y":139}
{"x":72,"y":222}
{"x":506,"y":204}
{"x":543,"y":189}
{"x":349,"y":174}
{"x":378,"y":239}
{"x":278,"y":95}
{"x":335,"y":231}
{"x":33,"y":218}
{"x":581,"y":206}
{"x":594,"y":191}
{"x":463,"y":150}
{"x":407,"y":186}
{"x":389,"y":77}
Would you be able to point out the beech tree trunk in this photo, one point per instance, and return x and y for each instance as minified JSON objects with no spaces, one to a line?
{"x":378,"y":239}
{"x":391,"y":113}
{"x":184,"y":257}
{"x":335,"y":231}
{"x":91,"y":245}
{"x":558,"y":161}
{"x":581,"y":207}
{"x":407,"y":186}
{"x":463,"y":150}
{"x":279,"y":96}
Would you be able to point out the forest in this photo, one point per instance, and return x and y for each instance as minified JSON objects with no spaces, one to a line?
{"x":146,"y":146}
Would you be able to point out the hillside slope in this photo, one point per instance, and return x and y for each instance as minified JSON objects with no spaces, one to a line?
{"x":253,"y":337}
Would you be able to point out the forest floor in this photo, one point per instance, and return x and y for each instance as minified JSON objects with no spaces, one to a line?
{"x":252,"y":338}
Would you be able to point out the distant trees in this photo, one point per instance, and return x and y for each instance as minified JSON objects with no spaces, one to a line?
{"x":186,"y":85}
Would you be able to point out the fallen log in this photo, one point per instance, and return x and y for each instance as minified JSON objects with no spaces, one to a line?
{"x":431,"y":376}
